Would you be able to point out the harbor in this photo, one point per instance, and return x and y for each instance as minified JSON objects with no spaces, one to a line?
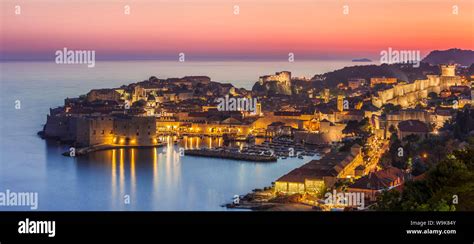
{"x":282,"y":148}
{"x":269,"y":150}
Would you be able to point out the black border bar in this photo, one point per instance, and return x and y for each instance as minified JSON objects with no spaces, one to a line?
{"x":350,"y":226}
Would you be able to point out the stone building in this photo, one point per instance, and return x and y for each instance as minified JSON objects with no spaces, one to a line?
{"x":355,"y":83}
{"x":93,"y":130}
{"x":135,"y":130}
{"x":322,"y":173}
{"x":382,"y":80}
{"x":283,"y":77}
{"x":103,"y":95}
{"x":62,"y":128}
{"x":436,"y":118}
{"x":412,"y":127}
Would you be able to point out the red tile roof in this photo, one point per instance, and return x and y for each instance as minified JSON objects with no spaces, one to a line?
{"x":379,"y":180}
{"x":413,"y":126}
{"x":330,"y":165}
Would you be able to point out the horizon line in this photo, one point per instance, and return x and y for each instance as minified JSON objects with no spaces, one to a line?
{"x":12,"y":57}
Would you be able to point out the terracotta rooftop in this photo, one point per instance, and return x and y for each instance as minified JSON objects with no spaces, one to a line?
{"x":298,"y":175}
{"x":277,"y":123}
{"x":287,"y":113}
{"x":413,"y":126}
{"x":330,"y":165}
{"x":379,"y":180}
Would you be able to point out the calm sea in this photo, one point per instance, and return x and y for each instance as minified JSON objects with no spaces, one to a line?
{"x":133,"y":179}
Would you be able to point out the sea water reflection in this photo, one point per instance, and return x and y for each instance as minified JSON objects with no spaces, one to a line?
{"x":163,"y":179}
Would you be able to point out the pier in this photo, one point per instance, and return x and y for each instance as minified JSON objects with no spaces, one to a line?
{"x":213,"y":153}
{"x":102,"y":147}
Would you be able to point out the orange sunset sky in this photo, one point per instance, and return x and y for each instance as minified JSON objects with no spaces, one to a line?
{"x":209,"y":29}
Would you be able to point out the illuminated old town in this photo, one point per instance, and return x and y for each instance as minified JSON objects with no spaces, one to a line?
{"x":361,"y":133}
{"x":265,"y":120}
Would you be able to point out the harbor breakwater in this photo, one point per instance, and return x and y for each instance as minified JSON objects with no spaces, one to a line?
{"x":230,"y":155}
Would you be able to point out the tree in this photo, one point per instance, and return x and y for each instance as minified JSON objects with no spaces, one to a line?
{"x":389,"y":108}
{"x":365,"y":126}
{"x":388,"y":201}
{"x":418,"y":167}
{"x":433,"y":95}
{"x":411,"y":138}
{"x":397,"y":154}
{"x":450,"y":178}
{"x":153,"y":79}
{"x":139,"y":104}
{"x":358,"y":128}
{"x":462,"y":124}
{"x":392,"y":129}
{"x":352,"y":127}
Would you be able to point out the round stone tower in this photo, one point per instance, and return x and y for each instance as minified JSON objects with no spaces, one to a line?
{"x":448,"y":70}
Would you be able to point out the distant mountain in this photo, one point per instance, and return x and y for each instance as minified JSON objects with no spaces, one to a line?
{"x":361,"y":60}
{"x":402,"y":72}
{"x":454,"y":55}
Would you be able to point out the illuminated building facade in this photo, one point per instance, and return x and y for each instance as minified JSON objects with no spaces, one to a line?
{"x":409,"y":94}
{"x":319,"y":174}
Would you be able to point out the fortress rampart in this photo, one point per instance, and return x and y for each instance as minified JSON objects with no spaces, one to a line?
{"x":408,"y":94}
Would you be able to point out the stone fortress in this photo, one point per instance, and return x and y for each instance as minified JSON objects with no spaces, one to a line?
{"x":283,"y":77}
{"x":408,"y":94}
{"x":279,"y":83}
